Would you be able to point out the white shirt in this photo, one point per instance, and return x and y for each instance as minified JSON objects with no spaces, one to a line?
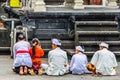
{"x":78,"y":63}
{"x":22,"y":59}
{"x":104,"y":60}
{"x":56,"y":59}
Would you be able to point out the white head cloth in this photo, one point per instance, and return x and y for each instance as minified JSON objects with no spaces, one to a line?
{"x":56,"y":42}
{"x":104,"y":44}
{"x":79,"y":48}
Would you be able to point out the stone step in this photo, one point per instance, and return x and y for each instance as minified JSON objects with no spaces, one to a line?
{"x":4,"y":48}
{"x":97,"y":42}
{"x":98,"y":32}
{"x":71,"y":52}
{"x":66,"y":44}
{"x":96,"y":22}
{"x":91,"y":52}
{"x":50,"y":31}
{"x":48,"y":36}
{"x":93,"y":45}
{"x":96,"y":28}
{"x":96,"y":25}
{"x":99,"y":37}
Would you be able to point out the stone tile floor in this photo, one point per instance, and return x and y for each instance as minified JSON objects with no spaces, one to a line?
{"x":6,"y":73}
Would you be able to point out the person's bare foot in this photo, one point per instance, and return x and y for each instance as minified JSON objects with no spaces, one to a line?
{"x":40,"y":71}
{"x":31,"y":72}
{"x":25,"y":70}
{"x":21,"y":70}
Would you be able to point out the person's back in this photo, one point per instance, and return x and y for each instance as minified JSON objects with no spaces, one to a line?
{"x":58,"y":57}
{"x":22,"y":59}
{"x":57,"y":60}
{"x":78,"y":62}
{"x":105,"y":62}
{"x":36,"y":52}
{"x":21,"y":45}
{"x":39,"y":53}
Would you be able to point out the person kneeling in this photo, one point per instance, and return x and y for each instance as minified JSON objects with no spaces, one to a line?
{"x":22,"y":59}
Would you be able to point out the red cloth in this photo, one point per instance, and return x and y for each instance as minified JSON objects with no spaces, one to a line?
{"x":36,"y":66}
{"x":22,"y":51}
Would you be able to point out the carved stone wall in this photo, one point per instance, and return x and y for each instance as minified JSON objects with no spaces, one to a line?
{"x":69,"y":3}
{"x":54,"y":2}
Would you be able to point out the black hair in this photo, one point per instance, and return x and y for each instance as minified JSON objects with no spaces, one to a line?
{"x":58,"y":45}
{"x":21,"y":36}
{"x":33,"y":46}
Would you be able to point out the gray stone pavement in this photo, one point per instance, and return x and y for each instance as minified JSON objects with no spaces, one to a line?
{"x":6,"y":73}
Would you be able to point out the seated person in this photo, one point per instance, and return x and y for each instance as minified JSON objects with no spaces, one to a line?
{"x":57,"y":60}
{"x":79,"y":61}
{"x":103,"y":61}
{"x":22,"y":59}
{"x":36,"y":52}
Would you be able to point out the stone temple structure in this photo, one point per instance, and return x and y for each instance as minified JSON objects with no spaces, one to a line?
{"x":75,"y":22}
{"x":40,"y":5}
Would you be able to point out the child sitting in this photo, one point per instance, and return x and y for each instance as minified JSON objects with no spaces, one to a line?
{"x":36,"y":52}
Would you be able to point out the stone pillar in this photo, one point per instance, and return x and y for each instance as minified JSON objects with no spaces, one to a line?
{"x":33,"y":3}
{"x":78,"y":4}
{"x":104,"y":2}
{"x":39,"y":6}
{"x":69,"y":3}
{"x":112,"y":3}
{"x":26,"y":4}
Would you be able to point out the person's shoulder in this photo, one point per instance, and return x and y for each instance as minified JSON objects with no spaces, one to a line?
{"x":75,"y":55}
{"x":62,"y":50}
{"x":84,"y":55}
{"x":16,"y":43}
{"x":26,"y":41}
{"x":38,"y":47}
{"x":51,"y":51}
{"x":98,"y":51}
{"x":110,"y":52}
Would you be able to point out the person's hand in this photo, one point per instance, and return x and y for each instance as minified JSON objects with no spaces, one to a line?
{"x":115,"y":68}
